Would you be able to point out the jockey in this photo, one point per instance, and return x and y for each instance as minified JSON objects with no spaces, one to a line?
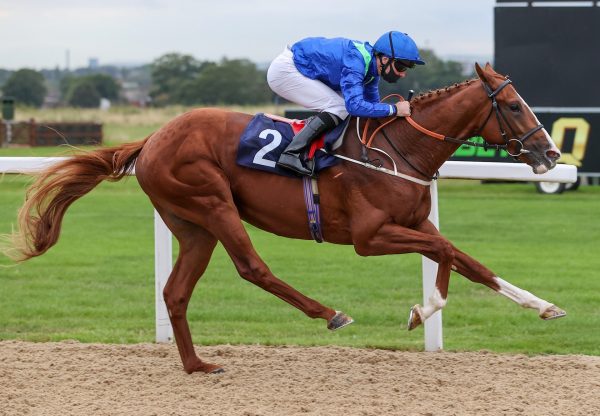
{"x":338,"y":77}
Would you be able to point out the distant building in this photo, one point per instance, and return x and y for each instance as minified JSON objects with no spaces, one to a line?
{"x":93,"y":63}
{"x":135,"y":94}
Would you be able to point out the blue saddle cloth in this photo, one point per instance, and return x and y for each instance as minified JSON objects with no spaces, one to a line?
{"x":265,"y":138}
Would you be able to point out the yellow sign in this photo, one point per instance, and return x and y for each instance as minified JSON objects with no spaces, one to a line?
{"x":582,"y":134}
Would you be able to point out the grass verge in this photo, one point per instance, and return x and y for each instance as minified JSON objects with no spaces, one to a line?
{"x":96,"y":285}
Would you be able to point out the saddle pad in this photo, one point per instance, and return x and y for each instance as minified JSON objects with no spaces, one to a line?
{"x":267,"y":136}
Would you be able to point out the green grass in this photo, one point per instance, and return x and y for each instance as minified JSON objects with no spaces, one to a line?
{"x":96,"y":285}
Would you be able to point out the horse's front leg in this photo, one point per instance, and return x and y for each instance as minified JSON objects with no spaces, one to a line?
{"x":391,"y":238}
{"x":477,"y":272}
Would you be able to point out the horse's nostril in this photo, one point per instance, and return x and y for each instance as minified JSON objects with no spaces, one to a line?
{"x":553,"y":155}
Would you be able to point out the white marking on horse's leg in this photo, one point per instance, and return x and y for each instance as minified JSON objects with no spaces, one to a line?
{"x":522,"y":297}
{"x":434,"y":304}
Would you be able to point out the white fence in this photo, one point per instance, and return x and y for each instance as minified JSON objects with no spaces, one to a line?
{"x":456,"y":170}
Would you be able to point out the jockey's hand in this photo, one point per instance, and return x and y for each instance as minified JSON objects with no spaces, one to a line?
{"x":403,"y":109}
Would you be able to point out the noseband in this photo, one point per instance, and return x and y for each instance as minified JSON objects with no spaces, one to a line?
{"x":502,"y":121}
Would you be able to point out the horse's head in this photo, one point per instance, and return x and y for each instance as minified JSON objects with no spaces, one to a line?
{"x":510,"y":121}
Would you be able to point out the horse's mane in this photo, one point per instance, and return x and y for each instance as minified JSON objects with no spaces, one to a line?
{"x":424,"y":97}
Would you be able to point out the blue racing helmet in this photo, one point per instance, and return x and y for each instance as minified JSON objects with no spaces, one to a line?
{"x":398,"y":45}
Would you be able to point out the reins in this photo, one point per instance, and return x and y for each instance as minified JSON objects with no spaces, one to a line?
{"x":367,"y":140}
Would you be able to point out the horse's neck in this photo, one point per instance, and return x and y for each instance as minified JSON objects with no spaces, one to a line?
{"x":453,"y":113}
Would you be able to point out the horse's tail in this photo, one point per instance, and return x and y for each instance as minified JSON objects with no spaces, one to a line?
{"x":56,"y":188}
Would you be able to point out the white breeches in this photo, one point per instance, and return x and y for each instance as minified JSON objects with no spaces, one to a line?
{"x":285,"y":80}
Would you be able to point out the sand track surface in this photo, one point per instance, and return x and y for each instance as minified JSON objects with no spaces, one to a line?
{"x":71,"y":378}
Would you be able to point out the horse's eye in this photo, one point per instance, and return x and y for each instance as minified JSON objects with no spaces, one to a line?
{"x":515,"y":107}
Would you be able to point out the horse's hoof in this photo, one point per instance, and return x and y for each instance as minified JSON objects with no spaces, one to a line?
{"x":204,"y":368}
{"x":217,"y":371}
{"x":339,"y":320}
{"x":415,"y":318}
{"x":552,"y":312}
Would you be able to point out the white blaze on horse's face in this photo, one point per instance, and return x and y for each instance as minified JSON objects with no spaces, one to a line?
{"x":541,"y":161}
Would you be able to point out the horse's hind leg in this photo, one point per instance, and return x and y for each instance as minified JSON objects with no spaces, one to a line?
{"x":228,"y":228}
{"x":216,"y":212}
{"x":196,"y":246}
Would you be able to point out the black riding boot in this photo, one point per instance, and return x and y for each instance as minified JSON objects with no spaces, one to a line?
{"x":292,"y":156}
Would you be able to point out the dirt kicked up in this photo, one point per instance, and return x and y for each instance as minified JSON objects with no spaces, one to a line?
{"x":70,"y":378}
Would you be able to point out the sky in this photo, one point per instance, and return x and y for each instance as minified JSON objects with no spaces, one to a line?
{"x":38,"y":33}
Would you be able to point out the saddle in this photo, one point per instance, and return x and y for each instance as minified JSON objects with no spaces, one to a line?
{"x":266,"y":136}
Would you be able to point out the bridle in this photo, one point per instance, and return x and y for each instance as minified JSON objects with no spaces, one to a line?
{"x":503,"y":125}
{"x":502,"y":121}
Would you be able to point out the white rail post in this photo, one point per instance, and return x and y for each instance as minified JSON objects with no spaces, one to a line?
{"x":433,"y":325}
{"x":163,"y":264}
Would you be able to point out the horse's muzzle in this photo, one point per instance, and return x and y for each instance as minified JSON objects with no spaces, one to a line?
{"x":542,"y":162}
{"x":553,"y":155}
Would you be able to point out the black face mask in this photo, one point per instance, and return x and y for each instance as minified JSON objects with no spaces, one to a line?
{"x":390,"y":76}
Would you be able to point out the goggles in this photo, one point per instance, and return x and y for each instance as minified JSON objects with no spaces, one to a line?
{"x":402,"y":65}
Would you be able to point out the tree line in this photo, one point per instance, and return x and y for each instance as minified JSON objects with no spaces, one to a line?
{"x":181,"y":79}
{"x":177,"y":78}
{"x":28,"y":87}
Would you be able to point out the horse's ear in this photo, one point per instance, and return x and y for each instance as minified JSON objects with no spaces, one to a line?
{"x":479,"y":71}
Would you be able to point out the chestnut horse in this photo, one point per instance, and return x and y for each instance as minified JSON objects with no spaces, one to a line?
{"x":188,"y":170}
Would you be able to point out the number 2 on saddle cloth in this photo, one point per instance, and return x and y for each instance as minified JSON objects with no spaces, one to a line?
{"x":266,"y":136}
